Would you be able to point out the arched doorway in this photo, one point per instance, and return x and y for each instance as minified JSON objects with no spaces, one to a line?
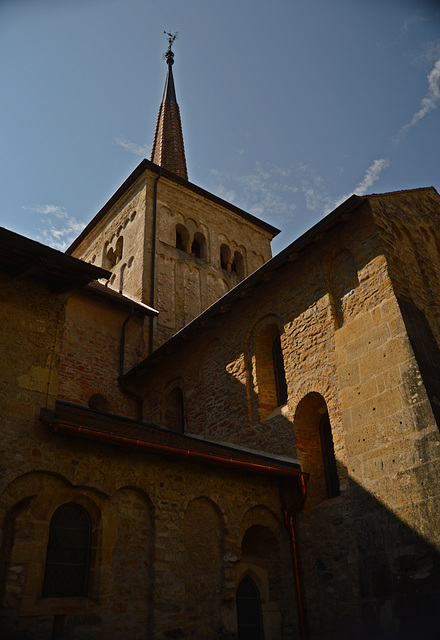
{"x":250,"y":620}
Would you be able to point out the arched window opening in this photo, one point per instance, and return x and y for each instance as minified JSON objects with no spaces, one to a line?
{"x":237,"y":265}
{"x":198,"y":247}
{"x":250,"y":620}
{"x":119,"y":249}
{"x":225,"y":257}
{"x":174,"y":411}
{"x":182,"y":237}
{"x":98,"y":402}
{"x":110,"y":259}
{"x":280,"y":374}
{"x":68,"y":552}
{"x":315,"y":449}
{"x":328,"y":457}
{"x":269,"y":370}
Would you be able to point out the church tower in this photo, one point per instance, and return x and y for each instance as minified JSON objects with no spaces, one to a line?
{"x":169,"y":243}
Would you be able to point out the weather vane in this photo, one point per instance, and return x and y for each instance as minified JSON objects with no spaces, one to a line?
{"x":169,"y":55}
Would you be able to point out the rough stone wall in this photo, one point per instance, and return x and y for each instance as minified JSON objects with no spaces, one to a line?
{"x":159,"y":541}
{"x":125,"y":223}
{"x":90,"y":354}
{"x":344,"y":338}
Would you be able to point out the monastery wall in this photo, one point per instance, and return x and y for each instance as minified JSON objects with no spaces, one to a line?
{"x":170,"y":542}
{"x":347,"y":351}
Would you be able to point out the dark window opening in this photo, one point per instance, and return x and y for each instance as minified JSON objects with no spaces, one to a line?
{"x":328,"y":457}
{"x":68,"y":551}
{"x":175,"y":411}
{"x":179,"y":241}
{"x":196,"y":249}
{"x":233,"y":267}
{"x":280,"y":374}
{"x":250,"y":620}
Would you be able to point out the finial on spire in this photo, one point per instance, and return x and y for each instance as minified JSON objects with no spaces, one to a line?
{"x":169,"y":55}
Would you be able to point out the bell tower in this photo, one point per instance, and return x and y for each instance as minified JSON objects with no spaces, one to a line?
{"x":169,"y":243}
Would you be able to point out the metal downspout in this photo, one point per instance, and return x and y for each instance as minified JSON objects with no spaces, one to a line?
{"x":289,"y":519}
{"x":153,"y":260}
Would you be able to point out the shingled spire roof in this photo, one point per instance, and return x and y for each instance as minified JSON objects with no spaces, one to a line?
{"x":168,"y":150}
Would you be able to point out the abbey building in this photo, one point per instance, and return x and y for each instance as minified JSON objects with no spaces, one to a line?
{"x":202,"y":441}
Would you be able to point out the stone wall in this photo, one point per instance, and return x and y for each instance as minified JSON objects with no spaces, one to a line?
{"x":346,"y":343}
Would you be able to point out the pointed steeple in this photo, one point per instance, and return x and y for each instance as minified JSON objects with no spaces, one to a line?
{"x":168,"y":150}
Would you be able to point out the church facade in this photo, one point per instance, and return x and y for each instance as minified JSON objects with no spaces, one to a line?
{"x":202,"y":441}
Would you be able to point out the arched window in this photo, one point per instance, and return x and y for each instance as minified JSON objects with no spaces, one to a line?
{"x":250,"y":620}
{"x":68,"y":551}
{"x":198,"y":247}
{"x":269,"y":370}
{"x":174,"y":411}
{"x":119,"y":249}
{"x":280,"y":374}
{"x":328,"y":457}
{"x":225,"y":257}
{"x":99,"y":402}
{"x":237,"y":265}
{"x":182,"y":237}
{"x":315,"y":449}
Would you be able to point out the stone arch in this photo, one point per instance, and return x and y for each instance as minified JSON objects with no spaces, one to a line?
{"x":198,"y":246}
{"x":342,"y":280}
{"x":217,"y":287}
{"x":265,"y":361}
{"x":203,"y":538}
{"x":238,"y":264}
{"x":263,"y":552}
{"x":192,"y":294}
{"x":173,"y":406}
{"x":213,"y":366}
{"x":99,"y":402}
{"x":131,"y":581}
{"x":27,"y":525}
{"x":315,"y":448}
{"x":182,"y":238}
{"x":225,"y":257}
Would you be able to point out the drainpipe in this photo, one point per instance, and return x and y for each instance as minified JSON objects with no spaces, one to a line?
{"x":289,"y":519}
{"x":124,"y":389}
{"x":153,"y":259}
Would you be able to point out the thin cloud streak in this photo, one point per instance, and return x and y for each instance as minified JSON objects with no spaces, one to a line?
{"x":372,"y":175}
{"x":428,"y":103}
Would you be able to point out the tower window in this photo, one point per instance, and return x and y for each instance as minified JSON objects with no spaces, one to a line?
{"x":196,"y":249}
{"x":68,"y":551}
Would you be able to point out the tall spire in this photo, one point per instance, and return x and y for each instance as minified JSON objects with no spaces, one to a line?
{"x":168,"y":150}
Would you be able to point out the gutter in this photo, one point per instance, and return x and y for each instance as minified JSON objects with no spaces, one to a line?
{"x":185,"y":453}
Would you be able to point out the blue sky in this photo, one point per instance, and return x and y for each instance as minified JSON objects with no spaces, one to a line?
{"x":288,"y":107}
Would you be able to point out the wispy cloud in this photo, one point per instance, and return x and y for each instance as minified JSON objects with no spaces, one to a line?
{"x":266,"y":191}
{"x":371,"y":176}
{"x":58,"y":229}
{"x":313,"y":189}
{"x":409,"y":22}
{"x":136,"y":149}
{"x":430,"y":102}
